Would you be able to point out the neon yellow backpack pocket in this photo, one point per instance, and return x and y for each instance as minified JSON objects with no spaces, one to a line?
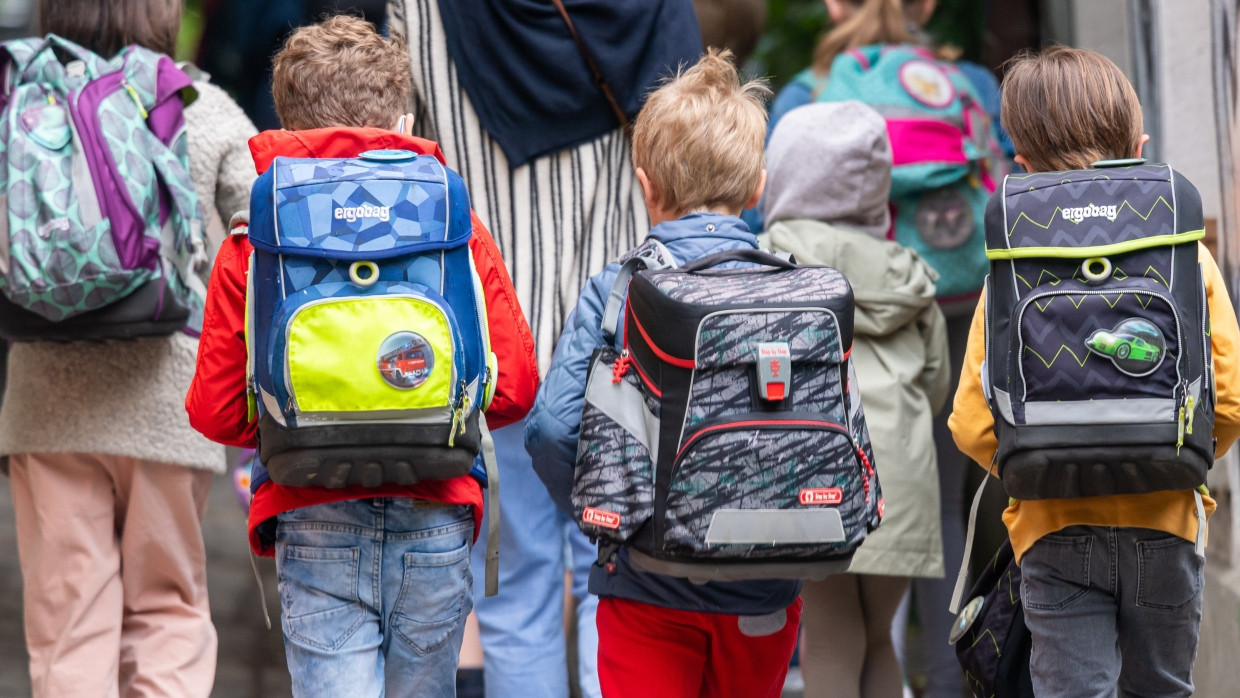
{"x":353,"y":357}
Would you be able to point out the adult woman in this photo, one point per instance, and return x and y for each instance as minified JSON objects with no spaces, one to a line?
{"x":522,"y":117}
{"x":109,"y":481}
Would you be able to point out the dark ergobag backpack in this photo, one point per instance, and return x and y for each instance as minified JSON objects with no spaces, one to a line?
{"x":991,"y":640}
{"x":725,"y":439}
{"x":1098,"y":368}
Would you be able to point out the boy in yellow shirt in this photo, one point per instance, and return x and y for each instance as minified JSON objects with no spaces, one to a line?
{"x":1112,"y":584}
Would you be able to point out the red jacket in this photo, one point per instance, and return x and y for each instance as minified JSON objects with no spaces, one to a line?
{"x":216,"y":401}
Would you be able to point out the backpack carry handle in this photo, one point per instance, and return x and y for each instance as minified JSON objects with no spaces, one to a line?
{"x":53,"y":41}
{"x":754,"y":256}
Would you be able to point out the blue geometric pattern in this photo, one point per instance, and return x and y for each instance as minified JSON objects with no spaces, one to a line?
{"x":362,"y":205}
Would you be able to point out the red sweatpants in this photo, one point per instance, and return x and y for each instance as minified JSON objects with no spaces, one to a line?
{"x":646,"y":651}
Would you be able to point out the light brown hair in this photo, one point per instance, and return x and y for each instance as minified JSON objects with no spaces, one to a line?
{"x":699,"y":137}
{"x":107,"y":26}
{"x":1067,"y":108}
{"x":872,"y":22}
{"x":341,"y":72}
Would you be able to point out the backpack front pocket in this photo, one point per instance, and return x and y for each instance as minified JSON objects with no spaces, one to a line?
{"x":363,"y":356}
{"x":1074,"y":344}
{"x":765,"y":485}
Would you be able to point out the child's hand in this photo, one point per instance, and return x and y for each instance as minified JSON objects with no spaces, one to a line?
{"x":405,"y":124}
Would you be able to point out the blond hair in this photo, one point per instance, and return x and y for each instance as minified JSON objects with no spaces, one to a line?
{"x":341,"y":72}
{"x":872,"y":22}
{"x":1067,"y":108}
{"x":699,"y":137}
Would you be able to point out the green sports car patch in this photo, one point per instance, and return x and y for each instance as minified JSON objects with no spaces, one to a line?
{"x":1136,"y":346}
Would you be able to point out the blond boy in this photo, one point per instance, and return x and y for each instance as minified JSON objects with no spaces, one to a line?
{"x":697,"y":148}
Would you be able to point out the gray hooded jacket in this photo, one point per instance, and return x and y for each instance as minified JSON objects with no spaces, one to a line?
{"x":900,"y":337}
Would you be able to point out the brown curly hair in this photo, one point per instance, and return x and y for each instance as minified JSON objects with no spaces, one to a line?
{"x":341,"y":72}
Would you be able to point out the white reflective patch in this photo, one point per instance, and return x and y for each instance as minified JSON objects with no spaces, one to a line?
{"x":1086,"y":412}
{"x":775,"y":527}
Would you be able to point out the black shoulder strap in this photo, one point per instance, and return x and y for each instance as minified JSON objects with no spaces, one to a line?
{"x":649,"y":255}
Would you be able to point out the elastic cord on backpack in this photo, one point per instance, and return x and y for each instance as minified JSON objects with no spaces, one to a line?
{"x":262,"y":593}
{"x":492,"y":553}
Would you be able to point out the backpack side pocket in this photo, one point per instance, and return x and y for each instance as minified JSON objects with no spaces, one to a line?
{"x":613,"y":482}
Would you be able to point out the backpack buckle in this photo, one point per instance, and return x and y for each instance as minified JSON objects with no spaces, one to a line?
{"x":774,"y":370}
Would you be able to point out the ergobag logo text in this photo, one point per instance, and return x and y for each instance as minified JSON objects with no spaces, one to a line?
{"x":1080,"y":213}
{"x":353,"y":213}
{"x":1098,"y":355}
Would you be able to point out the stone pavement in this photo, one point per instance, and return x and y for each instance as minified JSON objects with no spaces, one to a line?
{"x":251,"y":658}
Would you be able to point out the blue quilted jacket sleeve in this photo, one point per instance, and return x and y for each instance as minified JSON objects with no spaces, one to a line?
{"x":553,"y":426}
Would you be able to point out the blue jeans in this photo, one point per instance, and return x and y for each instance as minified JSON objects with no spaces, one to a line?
{"x":373,"y":596}
{"x":522,"y":629}
{"x":1112,"y":607}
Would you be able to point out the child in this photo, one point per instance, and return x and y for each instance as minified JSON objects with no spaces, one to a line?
{"x":837,"y":215}
{"x":697,"y":148}
{"x":1112,"y":585}
{"x":375,"y":582}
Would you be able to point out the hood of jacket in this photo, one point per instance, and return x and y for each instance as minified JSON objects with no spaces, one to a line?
{"x":336,"y":142}
{"x":830,"y":161}
{"x":891,"y":284}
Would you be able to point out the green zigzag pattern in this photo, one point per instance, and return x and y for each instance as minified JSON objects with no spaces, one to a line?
{"x":1059,"y":209}
{"x":1062,"y":349}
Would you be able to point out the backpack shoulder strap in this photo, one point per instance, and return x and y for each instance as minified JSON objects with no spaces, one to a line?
{"x":651,"y":254}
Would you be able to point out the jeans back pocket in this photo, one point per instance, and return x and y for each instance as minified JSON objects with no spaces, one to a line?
{"x":318,"y":589}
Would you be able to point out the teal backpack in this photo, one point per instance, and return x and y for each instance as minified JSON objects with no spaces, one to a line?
{"x":101,"y":232}
{"x":945,"y":156}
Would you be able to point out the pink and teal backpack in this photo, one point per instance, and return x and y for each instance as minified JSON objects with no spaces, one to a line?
{"x":100,"y":234}
{"x":946,"y":160}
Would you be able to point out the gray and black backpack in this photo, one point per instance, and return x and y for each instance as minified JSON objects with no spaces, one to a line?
{"x":1098,"y":366}
{"x":725,"y":439}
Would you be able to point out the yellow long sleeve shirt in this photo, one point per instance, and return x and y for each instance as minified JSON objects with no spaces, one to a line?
{"x":1175,"y":512}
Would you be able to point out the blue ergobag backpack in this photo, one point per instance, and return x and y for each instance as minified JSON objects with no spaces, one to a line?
{"x":102,"y":228}
{"x":369,"y":349}
{"x":944,"y":153}
{"x":1098,"y":368}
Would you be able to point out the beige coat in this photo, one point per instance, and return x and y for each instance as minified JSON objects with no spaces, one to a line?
{"x":900,"y":354}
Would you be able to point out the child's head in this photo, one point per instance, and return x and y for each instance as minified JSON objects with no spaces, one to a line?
{"x":697,"y":143}
{"x":341,"y":72}
{"x":1067,"y":108}
{"x":864,"y":22}
{"x":830,"y":162}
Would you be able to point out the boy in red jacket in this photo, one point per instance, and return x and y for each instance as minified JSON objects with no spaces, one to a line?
{"x":375,"y":582}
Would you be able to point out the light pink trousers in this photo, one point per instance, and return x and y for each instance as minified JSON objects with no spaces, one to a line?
{"x":114,"y":574}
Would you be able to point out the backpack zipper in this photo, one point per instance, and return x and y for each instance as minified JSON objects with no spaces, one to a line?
{"x":867,"y":468}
